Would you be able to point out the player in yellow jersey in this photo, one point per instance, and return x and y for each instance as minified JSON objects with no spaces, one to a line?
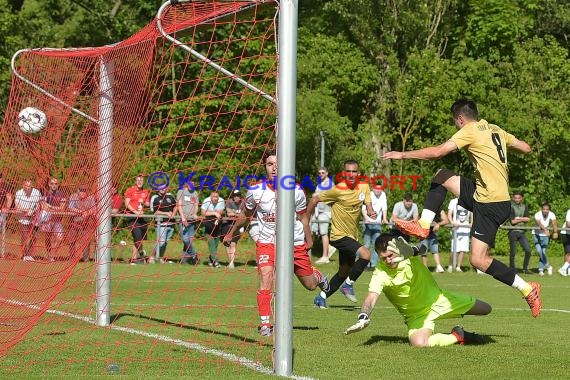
{"x":346,"y":199}
{"x":488,"y":197}
{"x":413,"y":291}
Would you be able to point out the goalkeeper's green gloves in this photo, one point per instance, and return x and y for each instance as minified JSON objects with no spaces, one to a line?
{"x":403,"y":250}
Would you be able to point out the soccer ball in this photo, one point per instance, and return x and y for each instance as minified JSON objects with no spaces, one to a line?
{"x":32,"y":120}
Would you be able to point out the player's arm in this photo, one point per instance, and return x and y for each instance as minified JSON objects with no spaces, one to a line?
{"x":311,"y":207}
{"x":363,"y":319}
{"x":241,"y":220}
{"x":430,"y":153}
{"x":306,"y":229}
{"x":520,"y":146}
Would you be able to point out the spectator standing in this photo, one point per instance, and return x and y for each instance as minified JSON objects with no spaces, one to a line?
{"x":373,"y":227}
{"x":137,"y":199}
{"x":27,"y":202}
{"x":51,"y":224}
{"x":519,"y":217}
{"x":565,"y":231}
{"x":461,"y":220}
{"x":116,"y":200}
{"x":322,"y":216}
{"x":404,"y":210}
{"x":431,"y":242}
{"x":163,"y":205}
{"x":6,"y":201}
{"x":233,"y":208}
{"x":188,"y":205}
{"x":541,"y":235}
{"x":213,"y":209}
{"x":83,"y":222}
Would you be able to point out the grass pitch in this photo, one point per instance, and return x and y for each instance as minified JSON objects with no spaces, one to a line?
{"x":174,"y":321}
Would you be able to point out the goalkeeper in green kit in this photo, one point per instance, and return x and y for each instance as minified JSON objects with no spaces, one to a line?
{"x":411,"y":288}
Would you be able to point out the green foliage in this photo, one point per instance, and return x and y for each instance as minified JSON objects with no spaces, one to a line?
{"x":373,"y":75}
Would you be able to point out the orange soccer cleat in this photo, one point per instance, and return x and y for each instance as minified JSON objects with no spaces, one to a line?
{"x":533,"y":299}
{"x":412,"y":228}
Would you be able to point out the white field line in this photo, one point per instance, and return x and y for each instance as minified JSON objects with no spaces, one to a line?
{"x":248,"y":363}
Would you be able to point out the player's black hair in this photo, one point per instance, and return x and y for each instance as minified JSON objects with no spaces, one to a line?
{"x":381,"y":243}
{"x":517,"y":193}
{"x":268,"y":153}
{"x":465,"y":107}
{"x":350,"y":162}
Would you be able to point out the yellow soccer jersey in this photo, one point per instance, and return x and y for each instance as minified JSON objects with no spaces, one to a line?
{"x":410,"y":287}
{"x":346,"y":207}
{"x":486,"y":145}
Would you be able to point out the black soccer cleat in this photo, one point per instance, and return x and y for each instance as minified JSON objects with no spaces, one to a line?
{"x":466,"y":337}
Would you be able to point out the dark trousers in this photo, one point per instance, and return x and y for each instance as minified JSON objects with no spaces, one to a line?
{"x":520,"y":237}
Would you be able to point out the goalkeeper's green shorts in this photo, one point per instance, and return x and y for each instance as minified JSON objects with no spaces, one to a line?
{"x":447,"y":305}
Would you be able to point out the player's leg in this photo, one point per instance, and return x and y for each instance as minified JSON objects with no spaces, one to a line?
{"x":444,"y":180}
{"x":309,"y":276}
{"x":345,"y":263}
{"x":480,"y":308}
{"x":356,"y":269}
{"x":455,"y":305}
{"x":420,"y":333}
{"x":486,"y":221}
{"x":265,"y":268}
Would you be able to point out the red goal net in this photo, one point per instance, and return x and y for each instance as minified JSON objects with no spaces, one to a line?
{"x":189,"y":98}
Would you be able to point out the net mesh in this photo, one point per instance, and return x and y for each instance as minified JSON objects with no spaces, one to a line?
{"x":196,"y":104}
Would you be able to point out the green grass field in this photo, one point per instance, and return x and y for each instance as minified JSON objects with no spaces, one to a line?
{"x":172,"y":321}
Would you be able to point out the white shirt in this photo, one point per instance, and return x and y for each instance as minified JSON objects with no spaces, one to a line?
{"x":545,"y":222}
{"x":322,"y":207}
{"x":460,"y":215}
{"x":379,"y":204}
{"x":263,"y":197}
{"x":25,"y":203}
{"x":566,"y":224}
